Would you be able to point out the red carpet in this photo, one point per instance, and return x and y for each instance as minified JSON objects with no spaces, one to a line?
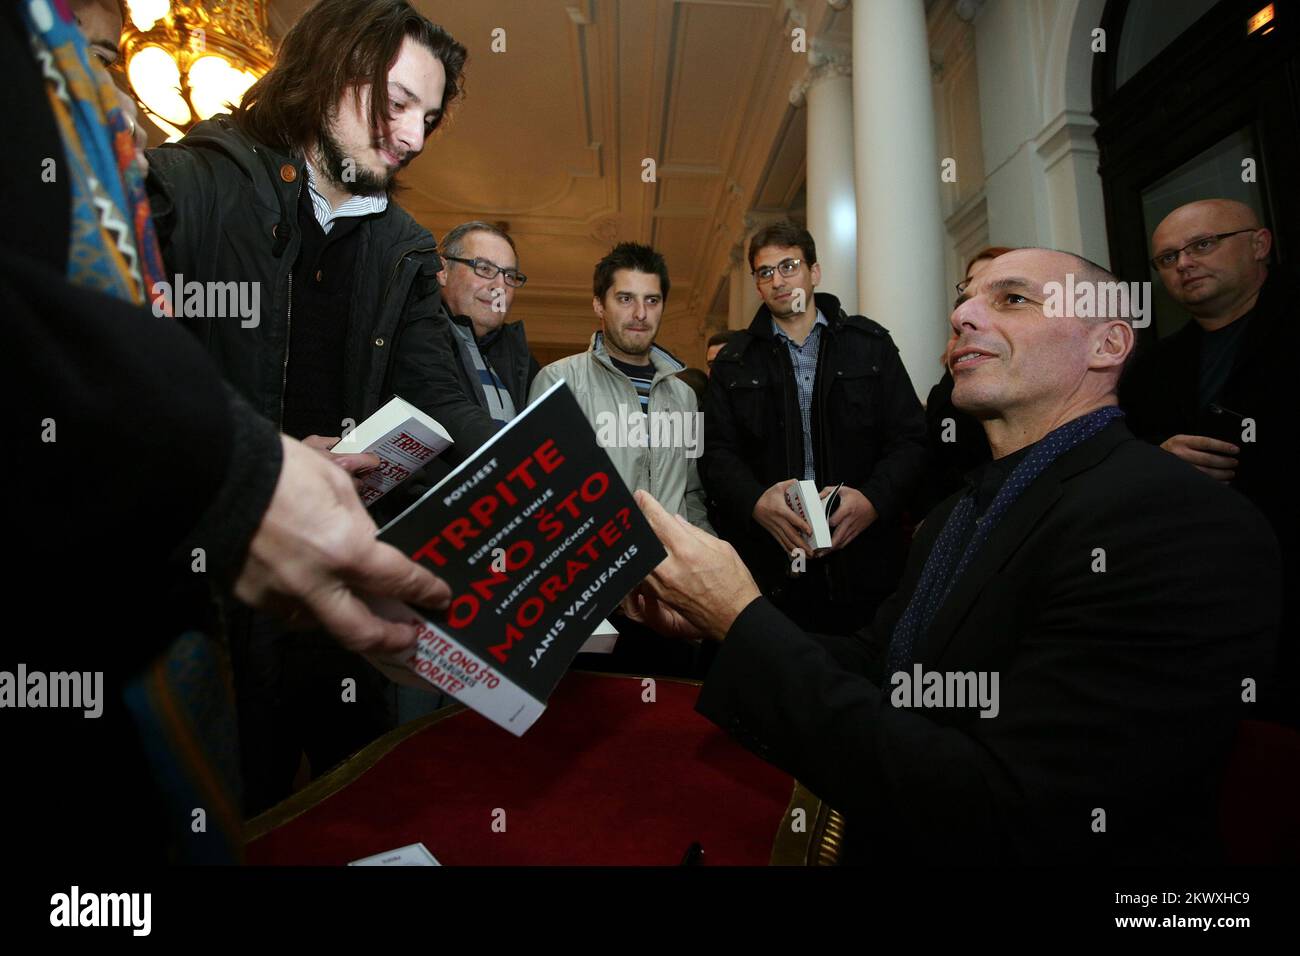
{"x":601,"y":779}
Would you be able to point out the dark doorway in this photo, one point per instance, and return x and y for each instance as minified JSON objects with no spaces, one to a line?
{"x":1190,"y":105}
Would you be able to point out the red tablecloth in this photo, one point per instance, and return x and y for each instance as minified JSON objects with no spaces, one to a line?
{"x":602,"y":778}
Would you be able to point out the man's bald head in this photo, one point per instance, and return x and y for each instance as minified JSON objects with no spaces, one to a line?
{"x":1021,"y":354}
{"x":1215,"y":279}
{"x":1223,"y":212}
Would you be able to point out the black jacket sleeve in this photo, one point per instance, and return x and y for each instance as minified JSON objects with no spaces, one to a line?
{"x":425,"y":374}
{"x":729,"y":480}
{"x":1118,"y":692}
{"x":533,"y":369}
{"x":801,"y":702}
{"x":182,"y":194}
{"x":179,"y":462}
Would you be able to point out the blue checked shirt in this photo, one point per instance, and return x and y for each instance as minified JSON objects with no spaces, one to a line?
{"x":804,"y":360}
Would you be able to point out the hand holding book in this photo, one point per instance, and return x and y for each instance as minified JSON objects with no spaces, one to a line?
{"x":356,"y":465}
{"x":774,"y":512}
{"x":853,"y":514}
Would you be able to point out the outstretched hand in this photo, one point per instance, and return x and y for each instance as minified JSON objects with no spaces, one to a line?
{"x":702,"y":582}
{"x":315,"y":558}
{"x":644,"y":608}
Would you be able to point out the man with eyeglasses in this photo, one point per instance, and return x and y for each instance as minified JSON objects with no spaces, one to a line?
{"x":1217,"y":393}
{"x":809,"y":391}
{"x":479,"y":278}
{"x":1116,"y":690}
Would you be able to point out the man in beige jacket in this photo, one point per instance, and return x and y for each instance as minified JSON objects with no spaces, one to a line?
{"x":646,"y":418}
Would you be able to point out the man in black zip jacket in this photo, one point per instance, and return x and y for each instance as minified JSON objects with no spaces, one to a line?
{"x":811,"y":392}
{"x":107,"y":577}
{"x":288,"y":198}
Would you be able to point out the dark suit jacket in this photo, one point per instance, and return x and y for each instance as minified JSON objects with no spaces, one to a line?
{"x":1160,"y":395}
{"x":1118,"y":690}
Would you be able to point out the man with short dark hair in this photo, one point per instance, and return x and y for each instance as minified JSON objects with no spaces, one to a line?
{"x":1217,"y":393}
{"x":643,"y":414}
{"x":479,"y":277}
{"x":1061,"y":671}
{"x":289,"y":199}
{"x":809,"y":391}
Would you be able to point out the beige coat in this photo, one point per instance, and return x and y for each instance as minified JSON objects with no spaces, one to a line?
{"x":658,"y":453}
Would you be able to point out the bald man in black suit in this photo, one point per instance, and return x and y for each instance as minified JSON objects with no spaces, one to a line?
{"x":1060,"y":673}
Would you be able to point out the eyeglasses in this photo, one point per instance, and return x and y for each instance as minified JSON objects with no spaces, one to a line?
{"x":1196,"y":249}
{"x":787,"y":268}
{"x":489,"y":270}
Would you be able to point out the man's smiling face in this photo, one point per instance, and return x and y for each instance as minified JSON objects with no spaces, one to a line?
{"x":786,"y":296}
{"x":486,"y":302}
{"x":365,"y":161}
{"x":1007,"y":353}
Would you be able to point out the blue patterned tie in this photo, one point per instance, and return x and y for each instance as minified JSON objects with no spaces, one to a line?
{"x":945,"y":564}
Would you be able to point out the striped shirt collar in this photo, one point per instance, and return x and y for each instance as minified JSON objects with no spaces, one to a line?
{"x":352,"y":206}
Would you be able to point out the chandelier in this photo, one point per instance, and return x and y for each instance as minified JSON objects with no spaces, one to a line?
{"x":186,"y":60}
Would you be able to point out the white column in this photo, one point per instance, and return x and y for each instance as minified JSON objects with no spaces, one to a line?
{"x":827,"y":89}
{"x":743,"y":299}
{"x":735,"y":296}
{"x":896,"y":166}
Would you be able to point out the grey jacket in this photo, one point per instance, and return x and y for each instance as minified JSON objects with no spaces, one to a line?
{"x":658,"y":455}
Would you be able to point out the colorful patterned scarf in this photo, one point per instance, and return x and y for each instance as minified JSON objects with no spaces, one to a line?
{"x":182,"y":704}
{"x":113,"y":248}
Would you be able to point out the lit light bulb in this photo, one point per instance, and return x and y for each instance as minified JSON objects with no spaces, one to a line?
{"x":215,"y":85}
{"x":156,"y":80}
{"x":145,"y":13}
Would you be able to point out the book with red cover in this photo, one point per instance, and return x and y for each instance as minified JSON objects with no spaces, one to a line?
{"x":540,"y":540}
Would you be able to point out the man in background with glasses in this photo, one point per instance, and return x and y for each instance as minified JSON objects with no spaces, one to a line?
{"x":479,"y":278}
{"x":809,"y":391}
{"x":1217,"y":393}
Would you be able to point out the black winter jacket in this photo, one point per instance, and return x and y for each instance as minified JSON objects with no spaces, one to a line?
{"x":868,"y":431}
{"x":1160,"y":394}
{"x":225,"y":207}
